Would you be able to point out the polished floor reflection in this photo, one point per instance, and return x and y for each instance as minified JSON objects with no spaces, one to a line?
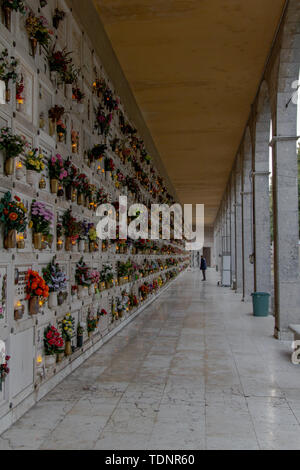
{"x":194,"y":371}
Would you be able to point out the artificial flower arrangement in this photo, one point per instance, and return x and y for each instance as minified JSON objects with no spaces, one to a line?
{"x":71,"y":74}
{"x":107,"y":275}
{"x":81,"y":184}
{"x":38,"y":31}
{"x":101,"y":313}
{"x":53,"y":341}
{"x":61,"y":130}
{"x":57,"y":172}
{"x":41,"y":222}
{"x":84,"y":235}
{"x":72,"y":173}
{"x":72,"y":229}
{"x":99,"y":87}
{"x":78,"y":95}
{"x":103,"y":121}
{"x":4,"y":371}
{"x":92,"y":324}
{"x":133,"y":300}
{"x":93,"y":237}
{"x":144,"y":290}
{"x":82,"y":278}
{"x":56,"y":280}
{"x":8,"y":70}
{"x":13,"y":216}
{"x":37,"y":291}
{"x":68,"y":326}
{"x":13,"y":145}
{"x":34,"y":161}
{"x":12,"y":5}
{"x":58,"y":16}
{"x":109,"y":102}
{"x":56,"y":113}
{"x":97,"y":152}
{"x":59,"y":60}
{"x":109,"y":164}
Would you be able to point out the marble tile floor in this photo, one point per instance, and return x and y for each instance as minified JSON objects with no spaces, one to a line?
{"x":194,"y":371}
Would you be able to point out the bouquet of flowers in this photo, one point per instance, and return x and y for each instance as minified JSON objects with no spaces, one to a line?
{"x":41,"y":218}
{"x":68,"y":327}
{"x":56,"y":168}
{"x":59,"y":60}
{"x":109,"y":164}
{"x":61,"y":129}
{"x":13,"y":214}
{"x":71,"y":74}
{"x":20,"y":90}
{"x":58,"y":17}
{"x":99,"y":86}
{"x":71,"y":227}
{"x":34,"y":161}
{"x":16,"y":5}
{"x":92,"y":324}
{"x":55,"y":278}
{"x":101,"y":313}
{"x":8,"y":67}
{"x":56,"y":113}
{"x":35,"y":285}
{"x":103,"y":121}
{"x":12,"y":144}
{"x":53,"y":342}
{"x":94,"y":277}
{"x":85,"y":229}
{"x":109,"y":102}
{"x":4,"y":370}
{"x":97,"y":152}
{"x":38,"y":28}
{"x":82,"y":274}
{"x":78,"y":95}
{"x":106,"y":275}
{"x":80,"y":183}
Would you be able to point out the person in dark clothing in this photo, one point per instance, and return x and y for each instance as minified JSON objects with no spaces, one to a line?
{"x":203,"y":267}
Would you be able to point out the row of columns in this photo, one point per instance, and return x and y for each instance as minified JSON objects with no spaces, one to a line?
{"x":244,"y":213}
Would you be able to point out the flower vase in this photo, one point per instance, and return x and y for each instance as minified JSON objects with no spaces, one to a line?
{"x":69,"y":91}
{"x":79,"y":341}
{"x":80,"y":292}
{"x":54,"y":186}
{"x":68,"y":348}
{"x":37,"y":241}
{"x":80,"y":199}
{"x":51,"y":127}
{"x":31,"y":177}
{"x":50,"y":361}
{"x":9,"y":166}
{"x":52,"y":300}
{"x":68,"y":244}
{"x":69,"y":191}
{"x":82,"y":246}
{"x":60,"y":298}
{"x":10,"y":240}
{"x":34,"y":305}
{"x":59,"y":357}
{"x":7,"y":17}
{"x":33,"y":45}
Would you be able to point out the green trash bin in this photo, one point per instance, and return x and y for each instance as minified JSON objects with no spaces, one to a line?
{"x":260,"y":304}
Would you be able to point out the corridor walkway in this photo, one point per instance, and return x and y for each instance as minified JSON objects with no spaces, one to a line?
{"x":194,"y":371}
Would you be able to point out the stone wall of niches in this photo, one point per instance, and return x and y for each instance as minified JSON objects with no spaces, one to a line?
{"x":157,"y":265}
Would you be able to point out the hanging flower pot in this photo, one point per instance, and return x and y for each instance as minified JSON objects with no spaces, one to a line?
{"x":52,"y":300}
{"x":68,"y":348}
{"x":10,"y":240}
{"x":34,"y":305}
{"x":68,"y":244}
{"x":9,"y":166}
{"x":7,"y":17}
{"x":33,"y":45}
{"x":81,"y":199}
{"x":50,"y":361}
{"x":54,"y":186}
{"x":38,"y":241}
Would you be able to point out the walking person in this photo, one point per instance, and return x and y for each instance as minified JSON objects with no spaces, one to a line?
{"x":203,"y":267}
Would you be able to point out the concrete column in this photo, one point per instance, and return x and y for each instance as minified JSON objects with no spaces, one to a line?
{"x":238,"y":231}
{"x":261,"y":198}
{"x":232,"y":227}
{"x":247,"y":210}
{"x":285,"y":181}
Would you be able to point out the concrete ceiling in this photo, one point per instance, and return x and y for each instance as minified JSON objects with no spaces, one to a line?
{"x":194,"y":67}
